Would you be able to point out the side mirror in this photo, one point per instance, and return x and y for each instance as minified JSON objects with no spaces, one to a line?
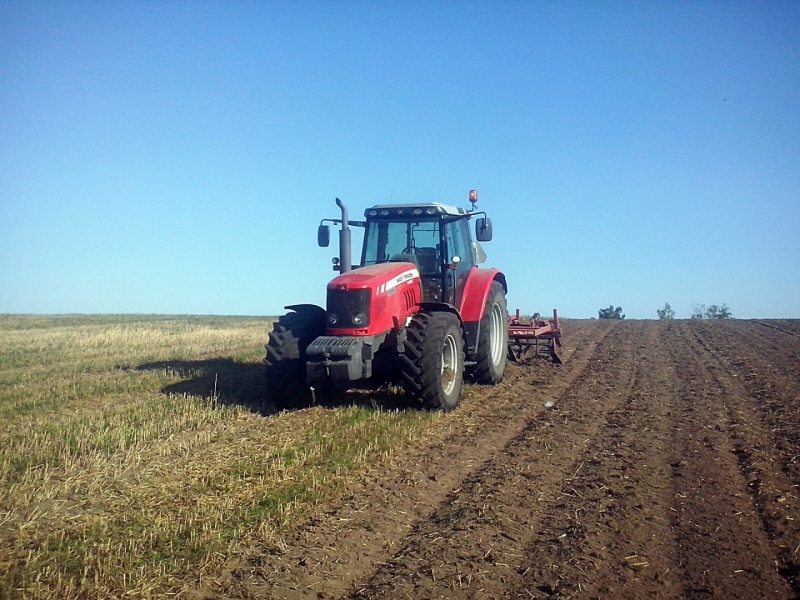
{"x":324,"y":236}
{"x":483,"y":229}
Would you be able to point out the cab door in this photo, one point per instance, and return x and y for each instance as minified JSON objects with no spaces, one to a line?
{"x":459,"y":259}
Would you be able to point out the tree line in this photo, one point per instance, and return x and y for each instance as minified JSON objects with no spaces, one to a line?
{"x":699,"y":311}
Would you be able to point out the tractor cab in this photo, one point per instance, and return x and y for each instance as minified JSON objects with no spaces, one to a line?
{"x":434,"y":238}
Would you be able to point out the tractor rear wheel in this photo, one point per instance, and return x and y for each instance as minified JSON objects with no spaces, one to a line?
{"x":433,"y":360}
{"x":285,"y":371}
{"x":492,"y":352}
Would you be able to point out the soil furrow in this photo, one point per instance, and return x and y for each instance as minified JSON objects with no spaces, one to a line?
{"x":724,"y":550}
{"x":760,"y":445}
{"x":475,"y":544}
{"x":788,"y":327}
{"x":770,"y":374}
{"x":609,"y":536}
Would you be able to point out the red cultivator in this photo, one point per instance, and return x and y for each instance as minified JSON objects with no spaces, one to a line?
{"x":544,"y":336}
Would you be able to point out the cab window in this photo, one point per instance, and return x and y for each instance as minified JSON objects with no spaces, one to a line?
{"x":401,"y":240}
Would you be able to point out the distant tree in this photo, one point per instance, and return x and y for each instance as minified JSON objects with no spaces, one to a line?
{"x":699,"y":311}
{"x":611,"y":312}
{"x":666,"y":312}
{"x":719,"y":312}
{"x":712,"y":312}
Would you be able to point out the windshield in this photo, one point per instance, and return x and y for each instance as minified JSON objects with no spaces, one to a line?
{"x":388,"y":240}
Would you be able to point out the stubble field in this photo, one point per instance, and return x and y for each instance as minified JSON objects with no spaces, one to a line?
{"x":137,"y":460}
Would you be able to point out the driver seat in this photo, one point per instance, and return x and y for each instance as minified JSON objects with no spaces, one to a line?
{"x":428,"y":259}
{"x":409,"y":258}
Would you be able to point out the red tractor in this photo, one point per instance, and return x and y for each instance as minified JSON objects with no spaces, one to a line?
{"x":416,"y":306}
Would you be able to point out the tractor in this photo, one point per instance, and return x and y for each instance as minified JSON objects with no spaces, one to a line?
{"x":416,"y":307}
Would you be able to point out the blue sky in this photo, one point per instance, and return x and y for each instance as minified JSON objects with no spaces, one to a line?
{"x":177,"y":157}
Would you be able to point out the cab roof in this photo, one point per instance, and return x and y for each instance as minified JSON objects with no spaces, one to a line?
{"x":413,"y":210}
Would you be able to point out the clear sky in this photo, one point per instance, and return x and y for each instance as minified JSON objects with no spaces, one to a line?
{"x":177,"y":157}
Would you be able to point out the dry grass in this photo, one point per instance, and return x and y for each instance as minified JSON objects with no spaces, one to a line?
{"x":136,"y":457}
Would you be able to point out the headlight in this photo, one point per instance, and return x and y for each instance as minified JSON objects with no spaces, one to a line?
{"x":359,"y":319}
{"x":333,"y":319}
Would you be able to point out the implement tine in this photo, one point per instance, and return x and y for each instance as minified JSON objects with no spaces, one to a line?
{"x":554,"y":355}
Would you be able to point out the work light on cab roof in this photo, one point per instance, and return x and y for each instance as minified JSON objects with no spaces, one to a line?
{"x":416,"y":307}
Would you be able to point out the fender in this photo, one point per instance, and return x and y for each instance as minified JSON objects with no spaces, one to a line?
{"x":473,"y":300}
{"x":473,"y":303}
{"x":311,"y":308}
{"x":441,"y":307}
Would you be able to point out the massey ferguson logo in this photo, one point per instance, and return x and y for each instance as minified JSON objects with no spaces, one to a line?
{"x":403,"y":277}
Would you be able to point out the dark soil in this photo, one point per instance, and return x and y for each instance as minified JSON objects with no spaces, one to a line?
{"x":668,"y":467}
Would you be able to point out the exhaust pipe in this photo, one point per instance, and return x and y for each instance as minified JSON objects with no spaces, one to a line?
{"x":345,"y":262}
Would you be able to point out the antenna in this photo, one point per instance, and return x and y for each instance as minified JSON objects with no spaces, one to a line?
{"x":391,"y":196}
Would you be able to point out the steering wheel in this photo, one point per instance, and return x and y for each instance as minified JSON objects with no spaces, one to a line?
{"x":409,"y":250}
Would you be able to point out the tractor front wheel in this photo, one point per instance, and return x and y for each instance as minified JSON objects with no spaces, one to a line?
{"x":285,"y":371}
{"x":433,"y":360}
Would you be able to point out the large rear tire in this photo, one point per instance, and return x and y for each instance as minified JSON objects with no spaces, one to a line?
{"x":492,"y":352}
{"x":285,"y":371}
{"x":433,"y":360}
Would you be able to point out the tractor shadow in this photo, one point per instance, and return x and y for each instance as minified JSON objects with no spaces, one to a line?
{"x":233,"y":383}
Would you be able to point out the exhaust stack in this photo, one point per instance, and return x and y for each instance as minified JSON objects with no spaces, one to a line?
{"x":345,"y":262}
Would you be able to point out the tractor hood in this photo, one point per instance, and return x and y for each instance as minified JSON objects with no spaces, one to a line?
{"x":373,"y":300}
{"x":381,"y":278}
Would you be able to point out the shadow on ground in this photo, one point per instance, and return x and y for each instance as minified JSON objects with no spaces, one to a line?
{"x":229,"y":381}
{"x":237,"y":383}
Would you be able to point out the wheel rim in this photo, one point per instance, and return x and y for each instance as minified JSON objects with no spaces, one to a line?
{"x":449,"y":364}
{"x":496,"y":334}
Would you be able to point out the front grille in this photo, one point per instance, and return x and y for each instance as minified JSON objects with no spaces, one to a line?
{"x":344,"y":304}
{"x":410,"y":298}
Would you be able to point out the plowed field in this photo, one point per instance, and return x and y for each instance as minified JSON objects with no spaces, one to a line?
{"x":668,"y":466}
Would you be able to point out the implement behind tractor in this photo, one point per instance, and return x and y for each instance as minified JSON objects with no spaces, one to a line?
{"x":541,"y":336}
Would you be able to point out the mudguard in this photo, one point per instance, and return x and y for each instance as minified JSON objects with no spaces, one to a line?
{"x":476,"y":291}
{"x":473,"y":302}
{"x":313,"y":308}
